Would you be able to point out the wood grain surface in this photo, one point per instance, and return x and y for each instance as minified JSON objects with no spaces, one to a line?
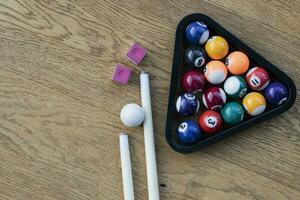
{"x":59,"y":110}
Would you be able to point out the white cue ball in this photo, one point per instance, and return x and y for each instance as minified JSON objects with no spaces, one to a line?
{"x":132,"y":115}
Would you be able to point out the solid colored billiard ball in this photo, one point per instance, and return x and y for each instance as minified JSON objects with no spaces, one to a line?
{"x":237,"y":62}
{"x":214,"y":98}
{"x":257,"y":78}
{"x":197,"y":33}
{"x":187,"y":104}
{"x":235,"y":87}
{"x":210,"y":121}
{"x":193,"y":81}
{"x":216,"y":47}
{"x":232,"y":113}
{"x":215,"y":72}
{"x":254,"y":103}
{"x":195,"y":56}
{"x":189,"y":132}
{"x":276,"y":93}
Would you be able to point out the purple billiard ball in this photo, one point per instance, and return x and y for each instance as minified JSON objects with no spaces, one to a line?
{"x":187,"y":104}
{"x":276,"y":93}
{"x":189,"y":132}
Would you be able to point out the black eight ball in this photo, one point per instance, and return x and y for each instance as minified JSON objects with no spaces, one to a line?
{"x":195,"y":56}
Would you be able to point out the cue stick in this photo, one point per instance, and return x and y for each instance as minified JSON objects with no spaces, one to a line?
{"x":126,"y":168}
{"x":153,"y":191}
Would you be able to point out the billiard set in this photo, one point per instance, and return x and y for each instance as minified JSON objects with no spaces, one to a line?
{"x":219,"y":86}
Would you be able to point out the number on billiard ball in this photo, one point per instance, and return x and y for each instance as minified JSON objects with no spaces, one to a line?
{"x":195,"y":57}
{"x":257,"y":78}
{"x":188,"y":132}
{"x":210,"y":121}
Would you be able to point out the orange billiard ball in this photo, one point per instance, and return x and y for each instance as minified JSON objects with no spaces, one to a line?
{"x":215,"y":72}
{"x":237,"y":62}
{"x":216,"y":47}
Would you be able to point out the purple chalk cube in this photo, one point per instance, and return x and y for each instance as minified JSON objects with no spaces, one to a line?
{"x":136,"y":53}
{"x":121,"y":74}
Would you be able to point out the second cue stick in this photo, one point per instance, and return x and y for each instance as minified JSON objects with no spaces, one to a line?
{"x":126,"y":167}
{"x":153,"y":191}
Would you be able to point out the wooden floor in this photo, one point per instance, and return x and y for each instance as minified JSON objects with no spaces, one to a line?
{"x":59,"y":110}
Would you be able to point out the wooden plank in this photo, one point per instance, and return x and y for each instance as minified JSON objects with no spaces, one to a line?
{"x":59,"y":120}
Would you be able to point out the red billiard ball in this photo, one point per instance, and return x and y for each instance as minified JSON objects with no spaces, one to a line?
{"x":257,"y":78}
{"x":193,"y":81}
{"x":210,"y":121}
{"x":214,"y":98}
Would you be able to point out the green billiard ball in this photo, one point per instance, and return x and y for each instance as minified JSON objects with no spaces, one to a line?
{"x":235,"y":87}
{"x":232,"y":113}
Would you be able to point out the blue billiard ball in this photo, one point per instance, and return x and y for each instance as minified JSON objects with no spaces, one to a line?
{"x":276,"y":93}
{"x":195,"y":56}
{"x":189,"y":132}
{"x":197,"y":33}
{"x":187,"y":104}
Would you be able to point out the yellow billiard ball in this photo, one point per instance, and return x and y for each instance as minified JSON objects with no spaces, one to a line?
{"x":216,"y":47}
{"x":254,"y":103}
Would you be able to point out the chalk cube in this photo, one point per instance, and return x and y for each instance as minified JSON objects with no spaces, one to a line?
{"x":121,"y":74}
{"x":136,"y":53}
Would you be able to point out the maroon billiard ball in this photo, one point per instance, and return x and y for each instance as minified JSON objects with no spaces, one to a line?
{"x":214,"y":98}
{"x":210,"y":121}
{"x":193,"y":81}
{"x":257,"y":78}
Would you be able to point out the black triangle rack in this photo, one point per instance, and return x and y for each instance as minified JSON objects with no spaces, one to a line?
{"x":174,"y":119}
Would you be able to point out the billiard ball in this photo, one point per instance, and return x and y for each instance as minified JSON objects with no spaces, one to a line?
{"x":215,"y":72}
{"x":210,"y":121}
{"x":195,"y":57}
{"x":232,"y":113}
{"x":257,"y":78}
{"x":235,"y":87}
{"x":276,"y":93}
{"x":132,"y":115}
{"x":254,"y":103}
{"x":193,"y":81}
{"x":216,"y":47}
{"x":197,"y":33}
{"x":214,"y":98}
{"x":187,"y":104}
{"x":189,"y":132}
{"x":237,"y":62}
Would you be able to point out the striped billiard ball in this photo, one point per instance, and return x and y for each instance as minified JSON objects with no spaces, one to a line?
{"x":187,"y":104}
{"x":254,"y":103}
{"x":235,"y":87}
{"x":257,"y":78}
{"x":214,"y":98}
